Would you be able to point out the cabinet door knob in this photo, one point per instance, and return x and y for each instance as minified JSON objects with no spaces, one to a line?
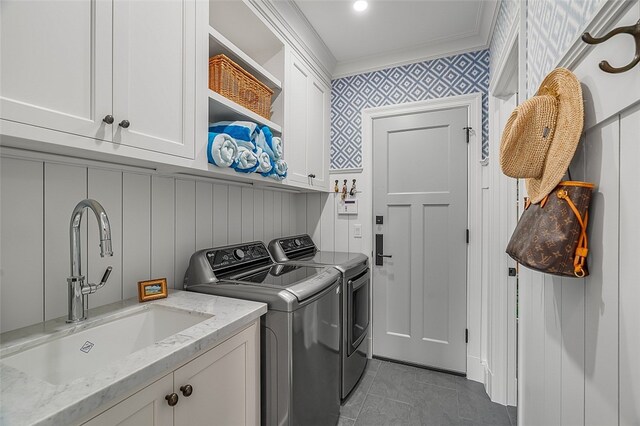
{"x":172,"y":399}
{"x":312,"y":176}
{"x":124,"y":124}
{"x":108,"y":119}
{"x":186,"y":390}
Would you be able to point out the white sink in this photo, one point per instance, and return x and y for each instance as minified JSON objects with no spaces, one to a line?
{"x":85,"y":352}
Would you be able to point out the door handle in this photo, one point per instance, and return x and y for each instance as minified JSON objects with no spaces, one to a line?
{"x":380,"y":250}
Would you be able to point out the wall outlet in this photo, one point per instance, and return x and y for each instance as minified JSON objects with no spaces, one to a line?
{"x":357,"y":230}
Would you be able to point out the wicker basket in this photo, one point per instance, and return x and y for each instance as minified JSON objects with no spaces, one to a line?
{"x":231,"y":81}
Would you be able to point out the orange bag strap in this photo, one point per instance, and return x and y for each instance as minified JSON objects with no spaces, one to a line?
{"x":583,"y":246}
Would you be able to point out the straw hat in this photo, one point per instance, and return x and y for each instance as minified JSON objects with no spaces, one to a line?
{"x":542,"y":134}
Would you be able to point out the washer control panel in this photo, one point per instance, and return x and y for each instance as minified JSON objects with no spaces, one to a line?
{"x":237,"y":257}
{"x":293,"y":244}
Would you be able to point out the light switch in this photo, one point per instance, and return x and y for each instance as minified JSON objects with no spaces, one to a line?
{"x":357,"y":230}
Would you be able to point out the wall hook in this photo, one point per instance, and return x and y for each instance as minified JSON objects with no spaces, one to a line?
{"x":352,"y":192}
{"x":633,"y":30}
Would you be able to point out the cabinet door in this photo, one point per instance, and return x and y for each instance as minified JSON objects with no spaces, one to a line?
{"x":295,"y":141}
{"x":55,"y":64}
{"x":145,"y":408}
{"x":318,"y":133}
{"x":225,"y":382}
{"x":154,"y":75}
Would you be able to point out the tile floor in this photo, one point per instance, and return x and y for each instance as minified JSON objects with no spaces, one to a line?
{"x":397,"y":394}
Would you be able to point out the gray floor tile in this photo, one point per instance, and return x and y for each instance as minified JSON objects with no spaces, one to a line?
{"x":434,"y":405}
{"x":481,"y":410}
{"x":374,"y":364}
{"x":345,"y":422}
{"x":351,"y":407}
{"x":378,"y":411}
{"x":513,"y":414}
{"x":439,"y":379}
{"x":394,"y":381}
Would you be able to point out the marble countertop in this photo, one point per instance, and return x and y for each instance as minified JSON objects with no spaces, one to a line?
{"x":27,"y":400}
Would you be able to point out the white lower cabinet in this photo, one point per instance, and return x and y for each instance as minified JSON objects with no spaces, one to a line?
{"x":221,"y":386}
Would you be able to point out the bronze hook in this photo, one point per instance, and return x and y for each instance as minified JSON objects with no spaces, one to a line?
{"x":633,"y":30}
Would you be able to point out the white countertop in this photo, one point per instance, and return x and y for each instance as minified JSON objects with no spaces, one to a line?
{"x":26,"y":400}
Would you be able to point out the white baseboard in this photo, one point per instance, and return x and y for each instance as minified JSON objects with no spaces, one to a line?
{"x":475,"y":369}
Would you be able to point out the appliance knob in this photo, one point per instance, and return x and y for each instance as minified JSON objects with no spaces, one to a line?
{"x":238,"y":254}
{"x":297,"y":242}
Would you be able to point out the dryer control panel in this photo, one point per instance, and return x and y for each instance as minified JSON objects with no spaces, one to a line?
{"x":237,"y":257}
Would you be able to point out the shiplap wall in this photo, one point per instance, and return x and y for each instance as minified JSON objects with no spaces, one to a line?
{"x":157,"y":222}
{"x":580,"y":338}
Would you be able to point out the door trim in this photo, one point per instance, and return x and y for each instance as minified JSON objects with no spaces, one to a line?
{"x":473,"y":103}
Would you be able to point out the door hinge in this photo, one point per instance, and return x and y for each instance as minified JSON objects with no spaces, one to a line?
{"x":467,"y":236}
{"x":466,"y":335}
{"x":468,"y":130}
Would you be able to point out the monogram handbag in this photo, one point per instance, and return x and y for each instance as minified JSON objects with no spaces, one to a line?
{"x":551,"y":236}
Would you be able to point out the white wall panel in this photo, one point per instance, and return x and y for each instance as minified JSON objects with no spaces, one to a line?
{"x":136,"y":232}
{"x":602,"y":154}
{"x":341,"y":229}
{"x":300,"y":209}
{"x":185,"y":227}
{"x":327,"y":219}
{"x":156,"y":221}
{"x":235,"y":214}
{"x":163,"y":217}
{"x":21,"y":245}
{"x":286,"y":214}
{"x":247,"y":215}
{"x":267,"y":216}
{"x":258,"y":211}
{"x":104,"y":186}
{"x":277,"y":215}
{"x":220,"y":215}
{"x":204,"y":224}
{"x":629,"y":353}
{"x":64,"y":187}
{"x":314,"y":211}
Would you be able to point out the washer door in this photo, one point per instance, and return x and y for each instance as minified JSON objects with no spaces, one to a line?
{"x":358,"y":310}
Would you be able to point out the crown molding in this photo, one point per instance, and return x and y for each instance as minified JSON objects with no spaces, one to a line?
{"x":476,"y":39}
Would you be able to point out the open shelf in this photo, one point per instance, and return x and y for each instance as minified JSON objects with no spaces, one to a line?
{"x":221,"y":109}
{"x":220,"y":44}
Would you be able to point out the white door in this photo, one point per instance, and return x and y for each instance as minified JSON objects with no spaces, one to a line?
{"x":295,"y":142}
{"x":420,"y":193}
{"x":55,"y":65}
{"x":154,"y":75}
{"x":318,"y":131}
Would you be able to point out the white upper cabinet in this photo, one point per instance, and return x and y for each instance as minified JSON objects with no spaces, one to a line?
{"x":306,"y":142}
{"x":121,"y":71}
{"x":154,"y":75}
{"x":55,"y":65}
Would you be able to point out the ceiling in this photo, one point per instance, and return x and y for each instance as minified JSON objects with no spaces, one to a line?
{"x":396,"y":32}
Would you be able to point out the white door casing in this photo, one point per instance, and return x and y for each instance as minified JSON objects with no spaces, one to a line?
{"x":420,"y":189}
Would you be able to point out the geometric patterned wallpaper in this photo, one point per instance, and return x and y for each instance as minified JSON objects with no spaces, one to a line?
{"x":437,"y":78}
{"x":507,"y":16}
{"x":551,"y":28}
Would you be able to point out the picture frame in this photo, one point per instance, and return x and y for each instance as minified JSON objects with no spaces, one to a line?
{"x":152,"y":289}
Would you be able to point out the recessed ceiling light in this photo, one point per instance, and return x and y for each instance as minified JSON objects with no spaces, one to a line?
{"x":360,"y":5}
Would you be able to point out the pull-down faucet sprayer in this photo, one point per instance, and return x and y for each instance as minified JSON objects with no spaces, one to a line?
{"x":78,"y":290}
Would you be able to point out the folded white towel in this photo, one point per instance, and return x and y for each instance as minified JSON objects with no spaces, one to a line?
{"x":264,"y":162}
{"x":277,"y":147}
{"x":222,"y":150}
{"x":246,"y":161}
{"x":279,"y":171}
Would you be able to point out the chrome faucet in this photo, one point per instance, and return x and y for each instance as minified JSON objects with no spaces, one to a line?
{"x":78,"y":290}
